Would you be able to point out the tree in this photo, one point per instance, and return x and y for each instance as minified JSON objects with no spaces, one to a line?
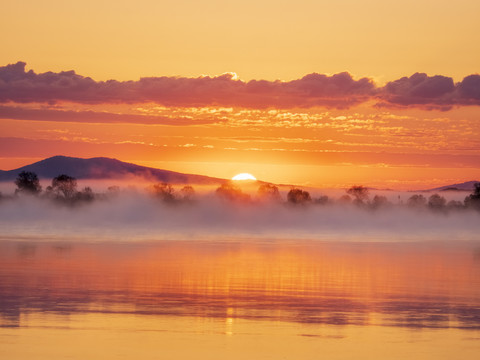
{"x":345,"y":199}
{"x":417,"y":201}
{"x":473,"y":200}
{"x":188,"y":193}
{"x":268,"y":192}
{"x":436,"y":202}
{"x":86,"y":194}
{"x":379,"y":201}
{"x":230,"y":192}
{"x":27,"y":183}
{"x":64,"y":186}
{"x":114,"y":189}
{"x":360,"y":193}
{"x":298,"y":196}
{"x":322,"y":200}
{"x":165,"y":192}
{"x":455,"y":205}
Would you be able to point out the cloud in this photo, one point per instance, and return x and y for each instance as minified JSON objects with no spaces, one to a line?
{"x":431,"y":92}
{"x":469,"y":90}
{"x":88,"y":116}
{"x":420,"y":89}
{"x":336,"y":91}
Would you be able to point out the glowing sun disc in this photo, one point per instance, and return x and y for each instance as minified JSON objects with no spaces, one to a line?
{"x":244,"y":176}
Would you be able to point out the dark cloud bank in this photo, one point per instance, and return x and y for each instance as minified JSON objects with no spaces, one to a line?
{"x":336,"y":91}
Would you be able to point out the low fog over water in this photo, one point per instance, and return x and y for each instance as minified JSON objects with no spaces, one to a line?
{"x":282,"y":267}
{"x":130,"y":215}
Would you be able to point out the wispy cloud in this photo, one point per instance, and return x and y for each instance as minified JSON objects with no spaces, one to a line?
{"x":89,"y":116}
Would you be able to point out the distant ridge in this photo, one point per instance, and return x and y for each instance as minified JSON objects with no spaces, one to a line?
{"x":105,"y":168}
{"x":465,"y":186}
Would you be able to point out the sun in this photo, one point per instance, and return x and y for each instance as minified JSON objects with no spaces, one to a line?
{"x":244,"y":176}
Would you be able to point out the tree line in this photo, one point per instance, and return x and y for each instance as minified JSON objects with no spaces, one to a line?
{"x":63,"y":189}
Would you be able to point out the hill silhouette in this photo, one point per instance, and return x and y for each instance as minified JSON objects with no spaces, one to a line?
{"x":105,"y":168}
{"x":465,"y":186}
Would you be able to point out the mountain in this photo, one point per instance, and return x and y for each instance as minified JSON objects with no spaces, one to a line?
{"x":105,"y":168}
{"x":466,"y":186}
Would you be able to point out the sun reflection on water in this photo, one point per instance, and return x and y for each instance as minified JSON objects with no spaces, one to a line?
{"x":312,"y":290}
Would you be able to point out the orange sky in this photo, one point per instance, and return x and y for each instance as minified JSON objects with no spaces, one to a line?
{"x":374,"y":124}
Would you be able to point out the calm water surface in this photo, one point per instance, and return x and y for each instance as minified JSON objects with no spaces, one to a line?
{"x":252,"y":299}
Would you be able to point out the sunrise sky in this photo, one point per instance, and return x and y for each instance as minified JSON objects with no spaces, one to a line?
{"x":378,"y":92}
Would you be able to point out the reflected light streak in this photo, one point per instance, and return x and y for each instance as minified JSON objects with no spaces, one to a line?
{"x":411,"y":285}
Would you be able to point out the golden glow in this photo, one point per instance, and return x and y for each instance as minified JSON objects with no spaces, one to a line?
{"x":244,"y":176}
{"x":271,"y":273}
{"x":238,"y":300}
{"x":395,"y":149}
{"x":267,"y":39}
{"x":382,"y":147}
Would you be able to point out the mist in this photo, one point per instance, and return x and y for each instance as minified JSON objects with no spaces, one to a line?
{"x":138,"y":216}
